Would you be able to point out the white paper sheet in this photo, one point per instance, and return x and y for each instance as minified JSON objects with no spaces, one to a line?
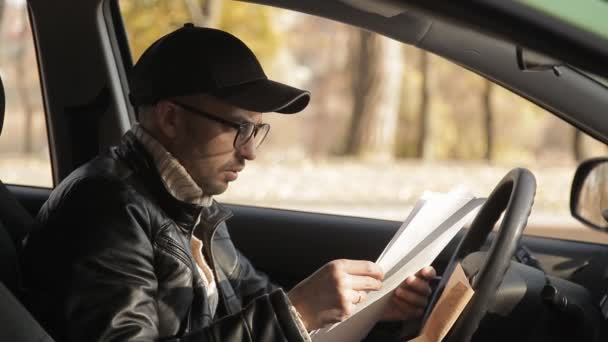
{"x":433,"y":223}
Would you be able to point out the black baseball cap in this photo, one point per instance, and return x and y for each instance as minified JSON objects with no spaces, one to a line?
{"x":194,"y":60}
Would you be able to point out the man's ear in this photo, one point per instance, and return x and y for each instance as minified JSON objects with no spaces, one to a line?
{"x":167,"y":119}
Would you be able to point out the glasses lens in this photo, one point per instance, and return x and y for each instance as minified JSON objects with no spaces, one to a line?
{"x":244,"y":135}
{"x":250,"y":131}
{"x":261,"y":134}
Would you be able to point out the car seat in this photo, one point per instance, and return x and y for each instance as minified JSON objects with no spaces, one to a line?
{"x":16,"y":323}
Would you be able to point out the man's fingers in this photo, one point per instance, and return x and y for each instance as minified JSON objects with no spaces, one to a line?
{"x":412,"y":298}
{"x":418,"y":285}
{"x":333,"y":316}
{"x":364,"y":283}
{"x":358,"y":296}
{"x":427,"y":273}
{"x":406,"y":309}
{"x":362,"y":268}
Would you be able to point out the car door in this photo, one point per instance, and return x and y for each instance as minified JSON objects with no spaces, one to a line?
{"x":310,"y":238}
{"x":291,"y":245}
{"x":288,"y":237}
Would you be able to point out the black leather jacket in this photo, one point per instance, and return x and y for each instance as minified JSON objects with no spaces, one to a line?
{"x":110,"y":260}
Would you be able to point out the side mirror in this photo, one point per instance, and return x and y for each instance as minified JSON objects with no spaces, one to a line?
{"x":589,"y":195}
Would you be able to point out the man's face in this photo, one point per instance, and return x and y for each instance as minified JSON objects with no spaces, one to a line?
{"x":206,"y":147}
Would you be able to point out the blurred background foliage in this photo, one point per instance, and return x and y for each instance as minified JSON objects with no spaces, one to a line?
{"x":235,"y":17}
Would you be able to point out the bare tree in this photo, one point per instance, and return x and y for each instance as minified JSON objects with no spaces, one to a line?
{"x":207,"y":14}
{"x":423,"y":109}
{"x":21,"y":81}
{"x":376,"y":84}
{"x":2,"y":6}
{"x":486,"y":101}
{"x":577,"y":145}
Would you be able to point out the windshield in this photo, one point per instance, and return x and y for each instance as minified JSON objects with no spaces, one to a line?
{"x":588,"y":15}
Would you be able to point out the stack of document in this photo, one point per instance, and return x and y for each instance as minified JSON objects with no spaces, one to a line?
{"x":431,"y":225}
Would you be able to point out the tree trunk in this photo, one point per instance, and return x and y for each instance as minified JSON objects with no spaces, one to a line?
{"x":2,"y":6}
{"x":205,"y":15}
{"x":376,"y":86}
{"x":486,"y":99}
{"x":423,"y":115}
{"x":212,"y":10}
{"x":21,"y":80}
{"x":577,"y":146}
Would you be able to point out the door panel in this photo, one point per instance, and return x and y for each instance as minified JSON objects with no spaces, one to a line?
{"x":31,"y":198}
{"x":580,"y":262}
{"x":290,"y":245}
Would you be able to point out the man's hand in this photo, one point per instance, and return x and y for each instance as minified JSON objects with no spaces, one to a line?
{"x":330,"y":294}
{"x":411,"y":297}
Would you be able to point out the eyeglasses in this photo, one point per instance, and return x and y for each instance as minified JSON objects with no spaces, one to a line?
{"x":245,"y":130}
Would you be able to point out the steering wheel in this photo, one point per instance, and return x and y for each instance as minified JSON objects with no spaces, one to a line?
{"x":514,"y":195}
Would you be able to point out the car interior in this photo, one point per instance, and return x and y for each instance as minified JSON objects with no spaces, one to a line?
{"x":530,"y":288}
{"x":14,"y":226}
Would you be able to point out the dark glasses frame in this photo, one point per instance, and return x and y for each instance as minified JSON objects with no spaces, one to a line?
{"x":249,"y":129}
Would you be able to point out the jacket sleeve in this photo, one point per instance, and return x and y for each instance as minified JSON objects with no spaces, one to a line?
{"x":246,"y":280}
{"x":91,"y":265}
{"x":267,"y":318}
{"x":102,"y":275}
{"x":252,"y":283}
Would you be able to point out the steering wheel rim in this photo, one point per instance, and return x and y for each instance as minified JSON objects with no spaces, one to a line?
{"x":514,"y":195}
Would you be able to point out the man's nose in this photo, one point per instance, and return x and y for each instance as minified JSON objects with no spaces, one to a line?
{"x":248,"y":151}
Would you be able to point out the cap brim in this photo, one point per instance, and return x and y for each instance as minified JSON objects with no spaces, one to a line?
{"x":266,"y":96}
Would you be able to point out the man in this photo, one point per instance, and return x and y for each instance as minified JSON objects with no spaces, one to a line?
{"x":131,"y":246}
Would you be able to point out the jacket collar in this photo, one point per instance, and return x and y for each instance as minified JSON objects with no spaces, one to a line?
{"x":175,"y":177}
{"x":185,"y":214}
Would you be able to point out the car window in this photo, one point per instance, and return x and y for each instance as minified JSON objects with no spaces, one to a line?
{"x":24,"y":145}
{"x":386,"y":121}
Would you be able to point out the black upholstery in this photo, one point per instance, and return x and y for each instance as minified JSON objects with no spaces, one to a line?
{"x":16,"y":323}
{"x":9,"y":274}
{"x":15,"y":218}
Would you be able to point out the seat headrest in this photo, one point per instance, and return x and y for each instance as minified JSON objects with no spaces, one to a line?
{"x":2,"y":105}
